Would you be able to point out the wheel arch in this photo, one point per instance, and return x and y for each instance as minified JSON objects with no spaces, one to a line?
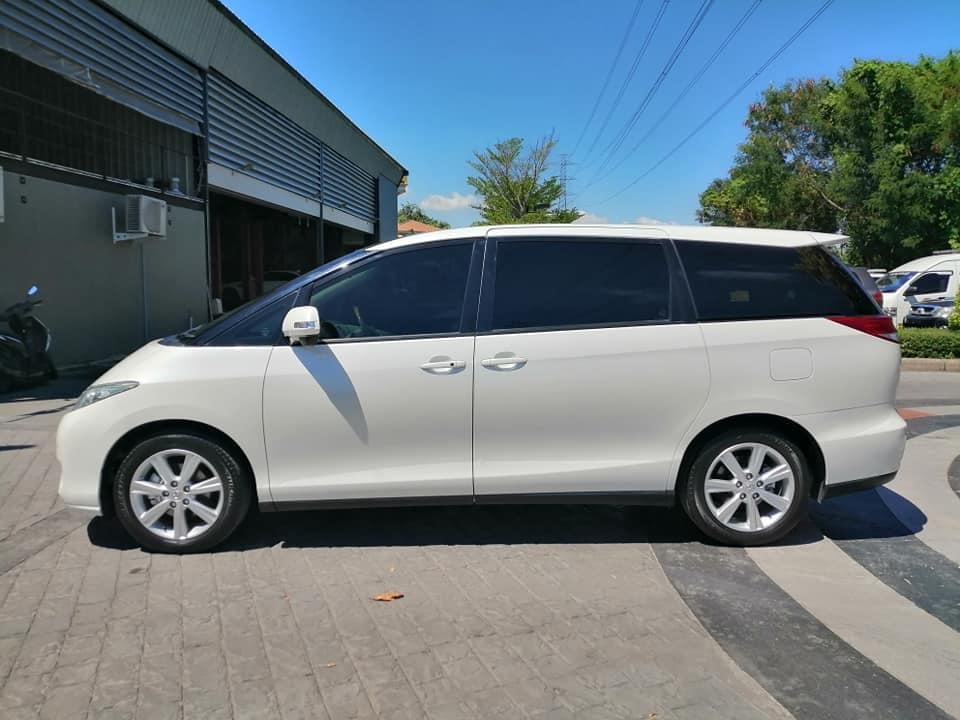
{"x":765,"y":421}
{"x":163,"y":427}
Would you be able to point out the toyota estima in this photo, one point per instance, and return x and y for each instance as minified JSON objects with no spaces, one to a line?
{"x":736,"y":372}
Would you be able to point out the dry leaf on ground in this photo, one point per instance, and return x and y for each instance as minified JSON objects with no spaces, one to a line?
{"x":388,"y":596}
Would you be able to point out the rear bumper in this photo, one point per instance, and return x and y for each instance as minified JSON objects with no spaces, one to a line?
{"x":829,"y":491}
{"x":862,"y":447}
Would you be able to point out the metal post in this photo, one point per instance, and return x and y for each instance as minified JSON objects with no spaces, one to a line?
{"x":143,"y":286}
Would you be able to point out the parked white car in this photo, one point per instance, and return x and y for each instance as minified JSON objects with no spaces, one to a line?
{"x":736,"y":372}
{"x":927,"y":279}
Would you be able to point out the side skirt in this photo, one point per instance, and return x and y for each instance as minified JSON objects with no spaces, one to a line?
{"x":661,"y":499}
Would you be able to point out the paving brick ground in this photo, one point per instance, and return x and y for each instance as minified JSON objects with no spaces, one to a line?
{"x":508,"y":613}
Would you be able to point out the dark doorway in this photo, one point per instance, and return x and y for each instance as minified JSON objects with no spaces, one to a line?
{"x":254,"y":248}
{"x":339,"y":240}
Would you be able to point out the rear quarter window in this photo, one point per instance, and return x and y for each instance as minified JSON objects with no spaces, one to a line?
{"x":753,"y":282}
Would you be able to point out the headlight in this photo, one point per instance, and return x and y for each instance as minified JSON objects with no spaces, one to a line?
{"x":96,"y":393}
{"x":943,"y":312}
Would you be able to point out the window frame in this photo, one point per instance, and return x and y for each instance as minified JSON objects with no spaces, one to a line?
{"x":468,"y":312}
{"x":680,"y":308}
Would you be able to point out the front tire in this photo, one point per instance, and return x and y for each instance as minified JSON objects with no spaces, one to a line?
{"x":181,"y":493}
{"x":747,"y":487}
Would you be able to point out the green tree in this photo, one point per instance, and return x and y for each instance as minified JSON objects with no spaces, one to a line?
{"x":409,"y":211}
{"x":874,"y":154}
{"x":514,"y":186}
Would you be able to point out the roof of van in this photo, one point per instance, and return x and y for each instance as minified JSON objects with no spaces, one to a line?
{"x":746,"y":236}
{"x":925,"y":263}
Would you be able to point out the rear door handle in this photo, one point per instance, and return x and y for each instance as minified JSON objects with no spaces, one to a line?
{"x":509,"y":362}
{"x":443,"y":366}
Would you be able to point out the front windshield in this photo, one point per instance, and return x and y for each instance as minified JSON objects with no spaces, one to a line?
{"x":894,"y":281}
{"x":193,"y":333}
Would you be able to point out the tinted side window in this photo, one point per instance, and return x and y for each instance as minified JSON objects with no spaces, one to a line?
{"x":261,"y":328}
{"x":930,"y":283}
{"x":414,"y":292}
{"x":743,"y":282}
{"x":559,"y":283}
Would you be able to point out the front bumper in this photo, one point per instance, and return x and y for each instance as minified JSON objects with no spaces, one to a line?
{"x":82,"y":451}
{"x":924,"y":321}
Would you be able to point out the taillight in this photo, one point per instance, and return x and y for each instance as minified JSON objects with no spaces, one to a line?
{"x":880,"y":326}
{"x":878,"y":298}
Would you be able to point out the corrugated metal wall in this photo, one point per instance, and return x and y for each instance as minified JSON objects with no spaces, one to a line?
{"x":347,"y":187}
{"x":248,"y":135}
{"x":91,"y":46}
{"x":207,"y":35}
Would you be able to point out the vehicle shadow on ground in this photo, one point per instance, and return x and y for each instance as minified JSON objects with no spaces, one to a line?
{"x":508,"y":525}
{"x":62,"y":389}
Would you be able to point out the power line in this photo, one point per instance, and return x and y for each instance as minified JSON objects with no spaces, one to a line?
{"x":606,"y":82}
{"x":633,"y":70}
{"x":743,"y":86}
{"x":681,"y":45}
{"x":690,"y":85}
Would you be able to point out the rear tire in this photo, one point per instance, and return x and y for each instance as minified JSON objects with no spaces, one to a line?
{"x":181,"y":493}
{"x":747,"y":487}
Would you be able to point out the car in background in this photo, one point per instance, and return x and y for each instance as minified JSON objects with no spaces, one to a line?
{"x":924,"y":280}
{"x":877,"y":273}
{"x":930,"y":314}
{"x":868,"y":283}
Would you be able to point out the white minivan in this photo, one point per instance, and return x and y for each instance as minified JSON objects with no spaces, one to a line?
{"x":736,"y":372}
{"x":926,"y":279}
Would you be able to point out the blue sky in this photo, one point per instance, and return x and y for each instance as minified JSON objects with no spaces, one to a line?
{"x":434,"y":80}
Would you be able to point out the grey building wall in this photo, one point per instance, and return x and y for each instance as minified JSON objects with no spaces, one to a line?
{"x":387,"y":207}
{"x":60,"y":239}
{"x":207,"y":34}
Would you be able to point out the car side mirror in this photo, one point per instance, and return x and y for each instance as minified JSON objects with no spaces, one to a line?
{"x":302,"y":324}
{"x":912,"y":290}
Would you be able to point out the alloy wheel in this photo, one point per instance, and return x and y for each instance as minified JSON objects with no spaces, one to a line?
{"x":176,"y":494}
{"x":749,"y":487}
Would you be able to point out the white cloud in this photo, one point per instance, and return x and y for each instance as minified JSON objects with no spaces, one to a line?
{"x":589,"y":218}
{"x":453,"y":201}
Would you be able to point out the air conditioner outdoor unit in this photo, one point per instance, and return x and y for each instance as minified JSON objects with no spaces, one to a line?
{"x":145,"y":217}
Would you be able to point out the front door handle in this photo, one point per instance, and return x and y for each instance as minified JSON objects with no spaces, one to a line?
{"x":504,"y":362}
{"x":442,"y":365}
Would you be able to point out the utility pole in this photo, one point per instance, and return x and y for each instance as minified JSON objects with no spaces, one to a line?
{"x":564,"y":177}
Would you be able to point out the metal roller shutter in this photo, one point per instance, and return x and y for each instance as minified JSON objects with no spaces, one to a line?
{"x":90,"y":46}
{"x":249,"y":136}
{"x":347,"y":187}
